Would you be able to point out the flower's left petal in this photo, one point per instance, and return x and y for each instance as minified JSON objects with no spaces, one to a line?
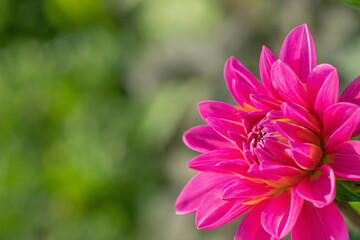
{"x":196,"y":189}
{"x":340,"y":121}
{"x":237,"y":166}
{"x":250,"y":227}
{"x":206,"y":162}
{"x":324,"y":223}
{"x":264,"y":103}
{"x":224,"y":127}
{"x":235,"y":71}
{"x":214,"y":212}
{"x":319,"y":187}
{"x":296,"y":133}
{"x":328,"y":93}
{"x":218,"y":110}
{"x":298,"y":51}
{"x":244,"y":189}
{"x":280,"y":215}
{"x":352,"y":92}
{"x":205,"y":139}
{"x":288,"y":85}
{"x":267,"y":59}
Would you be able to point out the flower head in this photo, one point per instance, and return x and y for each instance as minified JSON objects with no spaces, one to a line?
{"x":276,"y":155}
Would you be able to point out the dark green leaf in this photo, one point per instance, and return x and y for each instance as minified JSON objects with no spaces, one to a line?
{"x":348,"y":191}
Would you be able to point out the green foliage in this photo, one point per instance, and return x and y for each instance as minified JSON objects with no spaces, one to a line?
{"x":353,"y":2}
{"x":348,"y":191}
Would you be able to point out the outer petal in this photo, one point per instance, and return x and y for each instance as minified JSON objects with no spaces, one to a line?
{"x":264,"y":103}
{"x":288,"y":85}
{"x":196,"y":189}
{"x":320,"y":224}
{"x":328,"y":93}
{"x":234,"y":70}
{"x":340,"y":121}
{"x":348,"y":147}
{"x":267,"y":59}
{"x":208,"y":161}
{"x":244,"y":189}
{"x":316,"y":79}
{"x":346,"y":166}
{"x":298,"y":51}
{"x":205,"y":139}
{"x":318,"y":188}
{"x":225,"y":127}
{"x":344,"y":158}
{"x":214,"y":212}
{"x":238,"y":166}
{"x":281,"y":213}
{"x":352,"y":92}
{"x":301,"y":115}
{"x":218,"y":110}
{"x":251,"y":228}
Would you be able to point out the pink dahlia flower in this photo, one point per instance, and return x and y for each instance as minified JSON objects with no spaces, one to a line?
{"x":277,"y":154}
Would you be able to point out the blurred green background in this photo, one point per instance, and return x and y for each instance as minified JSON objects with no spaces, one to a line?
{"x":95,"y":95}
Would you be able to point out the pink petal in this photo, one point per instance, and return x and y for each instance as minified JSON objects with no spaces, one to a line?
{"x":328,"y":93}
{"x":352,"y":92}
{"x":319,"y":187}
{"x":237,"y":166}
{"x":224,"y":127}
{"x":250,"y":118}
{"x":348,"y":147}
{"x":281,"y":173}
{"x":301,"y":115}
{"x":218,"y":110}
{"x":316,"y":79}
{"x":267,"y":59}
{"x":237,"y":138}
{"x":264,"y":103}
{"x":281,"y":213}
{"x":296,"y":133}
{"x":243,"y":92}
{"x":214,"y":212}
{"x":263,"y":155}
{"x":278,"y":150}
{"x":288,"y":85}
{"x":234,"y":70}
{"x":340,"y":121}
{"x":244,"y":189}
{"x":255,"y":172}
{"x":251,"y":228}
{"x":207,"y":161}
{"x":346,"y":166}
{"x":306,"y":155}
{"x":320,"y":224}
{"x":205,"y":139}
{"x":196,"y":189}
{"x":298,"y":51}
